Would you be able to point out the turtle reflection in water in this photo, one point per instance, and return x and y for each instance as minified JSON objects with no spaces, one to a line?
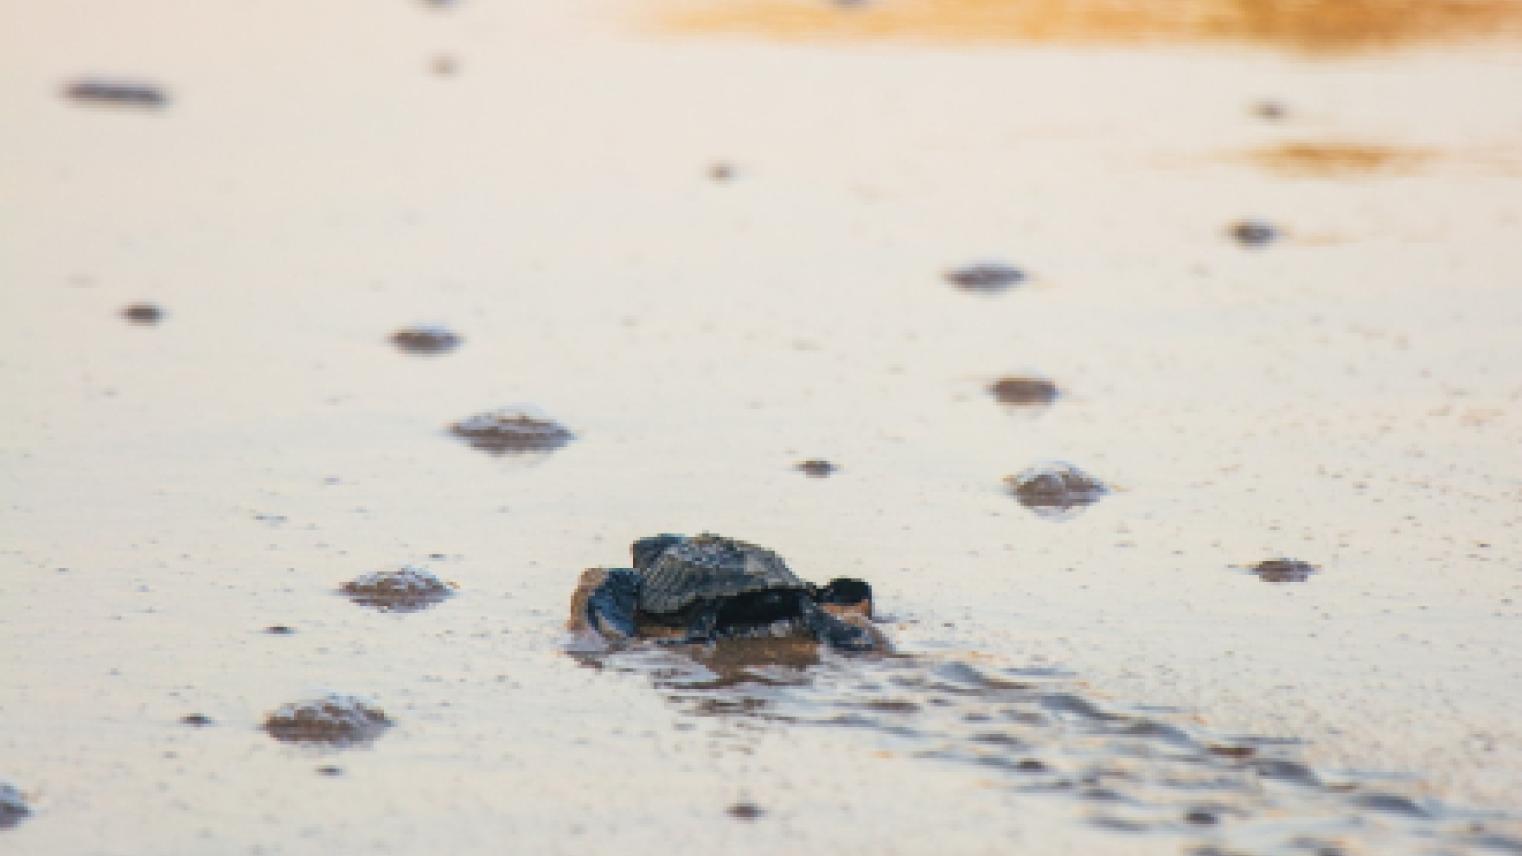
{"x":710,"y":587}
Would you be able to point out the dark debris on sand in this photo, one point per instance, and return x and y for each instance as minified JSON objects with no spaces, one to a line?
{"x":333,"y":720}
{"x":407,"y":589}
{"x":13,"y":807}
{"x":1253,"y":233}
{"x":1023,"y":390}
{"x":817,"y":468}
{"x":512,"y":431}
{"x":1283,"y":570}
{"x":745,"y":811}
{"x":124,"y":93}
{"x":143,"y":313}
{"x":426,"y":339}
{"x":1055,"y":488}
{"x":986,"y":277}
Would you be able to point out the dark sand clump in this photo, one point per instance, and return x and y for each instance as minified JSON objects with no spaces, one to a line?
{"x":13,"y":807}
{"x":512,"y":430}
{"x":1055,"y":488}
{"x":143,"y":313}
{"x":334,"y":720}
{"x":986,"y":277}
{"x":817,"y":468}
{"x":122,"y":93}
{"x":426,"y":339}
{"x":745,"y":811}
{"x":1284,"y":571}
{"x":1023,"y":390}
{"x":1253,"y":233}
{"x":406,"y":589}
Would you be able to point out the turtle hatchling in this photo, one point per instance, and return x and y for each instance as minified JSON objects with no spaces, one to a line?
{"x":709,"y":587}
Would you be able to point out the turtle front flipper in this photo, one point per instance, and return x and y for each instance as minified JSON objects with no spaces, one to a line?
{"x":832,"y":631}
{"x":704,"y":626}
{"x":611,"y":606}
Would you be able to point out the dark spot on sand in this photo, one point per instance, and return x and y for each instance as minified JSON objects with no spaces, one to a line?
{"x":1270,"y":110}
{"x":124,"y":93}
{"x":816,"y":468}
{"x":444,"y":65}
{"x":1252,"y":233}
{"x":1054,"y":489}
{"x":1283,"y":571}
{"x":985,"y":277}
{"x":13,"y":807}
{"x":512,"y":430}
{"x":721,"y":171}
{"x":334,"y":720}
{"x":425,"y":339}
{"x":1392,"y":803}
{"x":196,"y":720}
{"x":745,"y":811}
{"x":1030,"y":765}
{"x":143,"y":313}
{"x":1287,"y":771}
{"x":1200,"y":817}
{"x":1023,"y":390}
{"x":330,"y":770}
{"x":885,"y":705}
{"x":279,"y":630}
{"x":406,"y":589}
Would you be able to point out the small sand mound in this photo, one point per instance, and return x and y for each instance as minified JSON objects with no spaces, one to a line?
{"x":335,"y":720}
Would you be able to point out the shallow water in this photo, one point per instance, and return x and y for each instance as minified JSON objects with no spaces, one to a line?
{"x":1345,"y":396}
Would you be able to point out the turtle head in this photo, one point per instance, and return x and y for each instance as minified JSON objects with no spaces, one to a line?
{"x":844,"y":596}
{"x":647,"y":550}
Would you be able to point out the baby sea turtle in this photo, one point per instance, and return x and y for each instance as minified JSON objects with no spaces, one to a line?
{"x":703,"y":588}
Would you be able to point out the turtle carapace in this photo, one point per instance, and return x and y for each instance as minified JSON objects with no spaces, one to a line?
{"x":708,"y":587}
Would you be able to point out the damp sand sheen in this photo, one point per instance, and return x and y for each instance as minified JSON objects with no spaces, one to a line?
{"x":327,"y":378}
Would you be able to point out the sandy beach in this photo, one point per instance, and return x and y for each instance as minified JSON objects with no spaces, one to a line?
{"x":711,"y":246}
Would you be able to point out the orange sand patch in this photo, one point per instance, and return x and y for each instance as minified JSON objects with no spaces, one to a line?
{"x":1333,"y":160}
{"x":1307,"y":25}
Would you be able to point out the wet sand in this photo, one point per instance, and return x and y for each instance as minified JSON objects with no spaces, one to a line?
{"x":1345,"y":395}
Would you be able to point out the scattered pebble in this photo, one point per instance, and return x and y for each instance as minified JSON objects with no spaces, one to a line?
{"x":1253,"y":233}
{"x":126,"y":93}
{"x":408,"y":589}
{"x":330,"y":770}
{"x":745,"y":811}
{"x":721,"y":171}
{"x":13,"y":807}
{"x":1023,"y":390}
{"x":1200,"y":817}
{"x":196,"y":720}
{"x":816,"y":468}
{"x":425,"y":339}
{"x":279,"y":630}
{"x":444,"y":65}
{"x":143,"y":313}
{"x":986,"y":277}
{"x":512,"y":430}
{"x":335,"y":720}
{"x":1284,"y":571}
{"x":1055,"y":488}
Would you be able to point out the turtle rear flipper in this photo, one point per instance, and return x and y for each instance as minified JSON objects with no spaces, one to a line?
{"x":611,"y":607}
{"x":838,"y":634}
